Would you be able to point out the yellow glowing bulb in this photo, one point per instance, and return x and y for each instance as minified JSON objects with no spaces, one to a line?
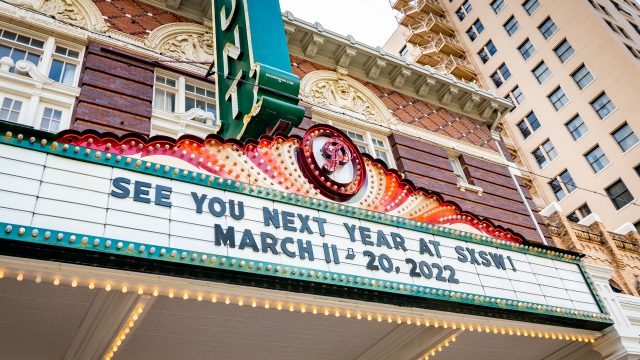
{"x":399,"y":320}
{"x":123,"y":336}
{"x":518,"y":332}
{"x":435,"y":323}
{"x":115,"y":348}
{"x":266,"y":304}
{"x":462,"y":327}
{"x":227,"y":300}
{"x":171,"y":294}
{"x":408,"y":321}
{"x":358,"y":316}
{"x":486,"y":329}
{"x":253,"y":303}
{"x":20,"y":277}
{"x":92,"y":285}
{"x":389,"y":319}
{"x":214,"y":299}
{"x":303,"y":309}
{"x":418,"y":322}
{"x":510,"y":332}
{"x":56,"y":281}
{"x":453,"y":338}
{"x":200,"y":297}
{"x":74,"y":283}
{"x":439,"y":347}
{"x":240,"y":302}
{"x":369,"y":317}
{"x":108,"y":287}
{"x":1,"y":274}
{"x":185,"y":296}
{"x":135,"y":317}
{"x":433,"y":353}
{"x":131,"y":323}
{"x":379,"y":318}
{"x":314,"y":311}
{"x":292,"y":308}
{"x":279,"y":307}
{"x":126,"y":330}
{"x":446,"y":343}
{"x":124,"y":289}
{"x":326,"y":312}
{"x":454,"y":326}
{"x":155,"y":292}
{"x":140,"y":291}
{"x":38,"y":279}
{"x":337,"y":313}
{"x":118,"y":342}
{"x":348,"y":314}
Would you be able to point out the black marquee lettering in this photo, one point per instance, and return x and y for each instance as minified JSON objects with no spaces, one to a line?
{"x":271,"y":217}
{"x":212,"y":207}
{"x":462,"y":257}
{"x":163,"y":194}
{"x":305,"y":249}
{"x":320,"y":221}
{"x":436,"y":247}
{"x":304,"y":223}
{"x":398,"y":241}
{"x":425,"y":248}
{"x":351,"y":229}
{"x":382,"y":240}
{"x":236,"y":213}
{"x":248,"y":240}
{"x":498,"y":260}
{"x":120,"y":184}
{"x":285,"y":250}
{"x":141,"y":192}
{"x":199,"y":201}
{"x":472,"y":256}
{"x":486,"y":262}
{"x":365,"y":235}
{"x":288,"y":220}
{"x":227,"y":238}
{"x":269,"y":242}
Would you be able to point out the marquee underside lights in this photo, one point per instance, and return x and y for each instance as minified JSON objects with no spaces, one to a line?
{"x":492,"y":327}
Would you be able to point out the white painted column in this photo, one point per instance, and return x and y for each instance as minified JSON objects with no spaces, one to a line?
{"x":47,"y":56}
{"x":180,"y":106}
{"x":622,"y":340}
{"x":31,"y":116}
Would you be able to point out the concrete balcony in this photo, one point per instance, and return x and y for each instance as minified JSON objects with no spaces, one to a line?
{"x":458,"y":67}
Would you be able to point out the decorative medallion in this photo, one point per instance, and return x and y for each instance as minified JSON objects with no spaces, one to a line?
{"x":332,"y":162}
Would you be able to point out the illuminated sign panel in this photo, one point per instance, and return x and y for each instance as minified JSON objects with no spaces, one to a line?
{"x":255,"y":87}
{"x":157,"y":202}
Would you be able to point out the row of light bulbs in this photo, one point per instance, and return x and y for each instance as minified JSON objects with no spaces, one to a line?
{"x":126,"y":329}
{"x":438,"y":348}
{"x":323,"y":310}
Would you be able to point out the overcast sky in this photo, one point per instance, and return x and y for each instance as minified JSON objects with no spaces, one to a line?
{"x":368,"y":21}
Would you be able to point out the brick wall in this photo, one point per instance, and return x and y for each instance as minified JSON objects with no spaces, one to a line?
{"x":116,"y":92}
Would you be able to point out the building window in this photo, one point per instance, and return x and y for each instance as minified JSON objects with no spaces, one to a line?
{"x":530,"y":6}
{"x":63,"y":65}
{"x":541,"y":72}
{"x":50,"y":119}
{"x":164,"y":94}
{"x":476,"y":29}
{"x":633,"y":51}
{"x":404,"y":53}
{"x":501,"y":75}
{"x":516,"y":95}
{"x":20,"y":47}
{"x":580,"y":213}
{"x":576,"y":127}
{"x":487,"y":51}
{"x":596,"y":158}
{"x":548,"y":28}
{"x":619,"y":194}
{"x":582,"y":76}
{"x":558,"y":98}
{"x":544,"y":153}
{"x":497,"y":6}
{"x":511,"y":26}
{"x":564,"y":51}
{"x":371,"y":144}
{"x":457,"y":169}
{"x":620,"y":8}
{"x":635,"y":27}
{"x":199,"y":97}
{"x":464,"y":10}
{"x":603,"y":105}
{"x":637,"y":169}
{"x":562,"y":185}
{"x":528,"y":125}
{"x":625,"y":137}
{"x":623,"y":32}
{"x":526,"y":49}
{"x":10,"y":110}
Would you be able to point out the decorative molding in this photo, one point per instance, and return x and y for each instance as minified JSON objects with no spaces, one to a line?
{"x":27,"y":68}
{"x":340,"y":92}
{"x":83,"y":13}
{"x":182,"y":41}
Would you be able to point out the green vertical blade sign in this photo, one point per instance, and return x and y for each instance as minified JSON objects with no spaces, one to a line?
{"x":256,"y":91}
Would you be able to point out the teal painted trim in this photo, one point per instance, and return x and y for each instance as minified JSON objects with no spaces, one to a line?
{"x":267,"y":34}
{"x":62,"y":239}
{"x":207,"y":180}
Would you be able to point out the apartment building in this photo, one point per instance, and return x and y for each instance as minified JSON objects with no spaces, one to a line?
{"x":572,"y":70}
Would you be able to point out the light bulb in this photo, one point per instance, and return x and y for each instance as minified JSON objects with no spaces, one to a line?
{"x":74,"y":283}
{"x":92,"y":285}
{"x":56,"y":281}
{"x":20,"y":277}
{"x":108,"y":287}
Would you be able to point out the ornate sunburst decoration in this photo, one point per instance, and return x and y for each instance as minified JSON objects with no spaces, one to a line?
{"x":274,"y":163}
{"x":183,"y":41}
{"x":83,"y":13}
{"x":339,"y":92}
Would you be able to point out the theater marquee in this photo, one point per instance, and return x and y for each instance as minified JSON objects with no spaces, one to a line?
{"x":312,"y":210}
